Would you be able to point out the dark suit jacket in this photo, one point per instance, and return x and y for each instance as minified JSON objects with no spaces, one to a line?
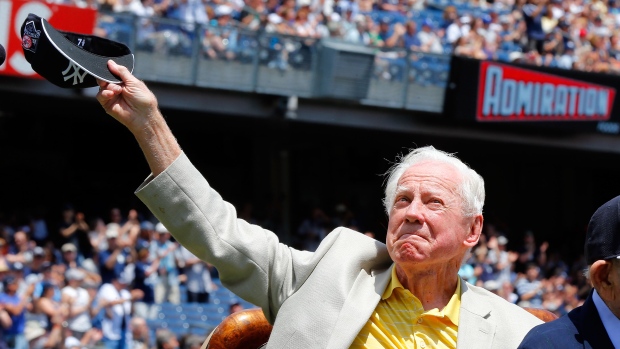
{"x":581,"y":328}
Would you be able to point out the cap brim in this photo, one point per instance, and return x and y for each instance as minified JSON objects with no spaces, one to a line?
{"x":93,"y":64}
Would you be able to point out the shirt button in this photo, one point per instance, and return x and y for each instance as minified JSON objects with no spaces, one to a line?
{"x":422,"y":345}
{"x":420,"y":320}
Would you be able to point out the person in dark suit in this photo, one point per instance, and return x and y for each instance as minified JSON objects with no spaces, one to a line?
{"x":595,"y":324}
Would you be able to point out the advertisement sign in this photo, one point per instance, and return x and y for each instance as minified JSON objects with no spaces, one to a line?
{"x":498,"y":95}
{"x":14,"y":12}
{"x":507,"y":93}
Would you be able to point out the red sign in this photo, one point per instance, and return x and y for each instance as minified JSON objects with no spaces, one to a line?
{"x":14,"y":12}
{"x":507,"y":93}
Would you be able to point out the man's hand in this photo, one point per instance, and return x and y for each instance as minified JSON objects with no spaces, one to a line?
{"x":135,"y":106}
{"x":131,"y":102}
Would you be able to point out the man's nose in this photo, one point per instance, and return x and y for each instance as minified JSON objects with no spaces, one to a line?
{"x":414,"y":212}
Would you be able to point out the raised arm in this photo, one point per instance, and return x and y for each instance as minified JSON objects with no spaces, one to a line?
{"x":135,"y":106}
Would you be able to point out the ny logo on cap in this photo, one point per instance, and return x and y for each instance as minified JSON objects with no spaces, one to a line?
{"x":30,"y":37}
{"x":75,"y":75}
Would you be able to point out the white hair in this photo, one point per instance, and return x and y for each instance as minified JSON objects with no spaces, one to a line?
{"x":471,"y":188}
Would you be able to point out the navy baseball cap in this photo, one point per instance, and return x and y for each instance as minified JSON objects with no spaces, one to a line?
{"x":603,"y":235}
{"x":71,"y":60}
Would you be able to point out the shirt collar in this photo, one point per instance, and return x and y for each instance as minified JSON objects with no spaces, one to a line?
{"x":610,"y":321}
{"x":451,"y":309}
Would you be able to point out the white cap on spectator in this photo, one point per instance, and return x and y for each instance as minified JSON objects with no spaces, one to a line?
{"x":38,"y":251}
{"x":465,"y":19}
{"x":68,"y":247}
{"x":301,"y":3}
{"x":334,"y":17}
{"x":515,"y":56}
{"x":112,"y":230}
{"x":33,"y":330}
{"x":223,"y":10}
{"x":74,"y":274}
{"x":502,"y":240}
{"x":160,"y":228}
{"x":72,"y":342}
{"x":274,"y":18}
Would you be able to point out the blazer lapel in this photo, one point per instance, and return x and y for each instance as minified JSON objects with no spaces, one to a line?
{"x":476,"y":327}
{"x":358,"y":307}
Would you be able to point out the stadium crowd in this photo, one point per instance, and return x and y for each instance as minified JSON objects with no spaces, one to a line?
{"x":571,"y":34}
{"x":87,"y":284}
{"x":92,"y":282}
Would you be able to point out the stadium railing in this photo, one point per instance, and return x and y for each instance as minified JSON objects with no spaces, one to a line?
{"x":234,"y":58}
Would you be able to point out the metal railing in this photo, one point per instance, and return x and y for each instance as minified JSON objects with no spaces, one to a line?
{"x":234,"y":58}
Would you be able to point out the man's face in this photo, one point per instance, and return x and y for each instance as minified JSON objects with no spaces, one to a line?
{"x":426,"y":224}
{"x":20,"y":239}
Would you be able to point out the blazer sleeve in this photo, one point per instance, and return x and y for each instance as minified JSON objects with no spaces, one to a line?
{"x":250,"y":260}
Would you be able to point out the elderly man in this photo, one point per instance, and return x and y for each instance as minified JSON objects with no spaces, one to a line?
{"x":595,"y":324}
{"x":353,"y":292}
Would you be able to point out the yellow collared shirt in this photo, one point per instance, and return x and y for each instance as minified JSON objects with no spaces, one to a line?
{"x":399,"y":321}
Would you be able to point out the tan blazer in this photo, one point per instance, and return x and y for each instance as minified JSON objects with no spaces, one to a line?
{"x":315,"y":300}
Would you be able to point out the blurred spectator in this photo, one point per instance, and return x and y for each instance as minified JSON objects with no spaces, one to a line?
{"x":530,"y":252}
{"x":166,"y":339}
{"x":197,"y":277}
{"x":140,"y":336}
{"x":429,"y":41}
{"x":20,"y":251}
{"x":113,"y":260}
{"x":74,"y":229}
{"x":48,"y":277}
{"x":97,"y":235}
{"x":235,"y":307}
{"x":115,"y":300}
{"x":167,"y":286}
{"x":457,"y":28}
{"x":390,"y":34}
{"x":5,"y":324}
{"x":533,"y":13}
{"x":529,"y":288}
{"x":38,"y":226}
{"x":145,"y":280}
{"x":313,"y":229}
{"x":47,"y":310}
{"x":78,"y":302}
{"x":409,"y":39}
{"x":192,"y":341}
{"x":219,"y":40}
{"x":500,"y":259}
{"x":15,"y":305}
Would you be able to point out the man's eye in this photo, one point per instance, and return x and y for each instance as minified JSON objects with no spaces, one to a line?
{"x":402,"y":198}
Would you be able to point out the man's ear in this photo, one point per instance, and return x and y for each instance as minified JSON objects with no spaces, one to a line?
{"x":475,"y":229}
{"x":599,"y":276}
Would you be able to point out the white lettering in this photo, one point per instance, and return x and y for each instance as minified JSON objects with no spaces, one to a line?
{"x":561,"y":94}
{"x":590,"y":102}
{"x":509,"y":97}
{"x":572,"y":91}
{"x":546,"y":100}
{"x":513,"y":98}
{"x":582,"y":101}
{"x":524,"y":98}
{"x":602,"y":102}
{"x":492,"y":91}
{"x":536,"y":99}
